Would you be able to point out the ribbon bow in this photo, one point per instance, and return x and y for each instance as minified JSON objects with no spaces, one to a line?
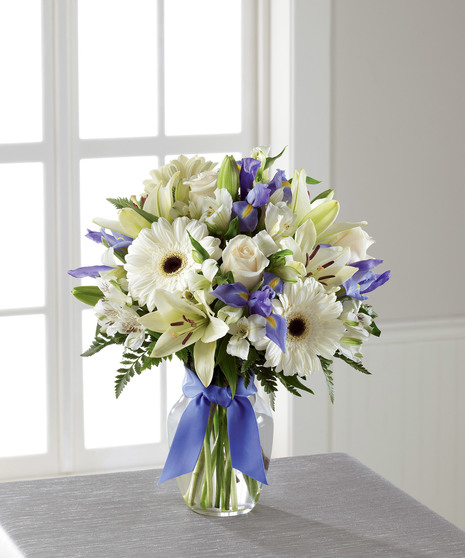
{"x":244,"y":438}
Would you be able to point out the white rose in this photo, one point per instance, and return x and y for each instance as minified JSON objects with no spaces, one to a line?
{"x":204,"y":184}
{"x":358,"y":241}
{"x":243,"y":257}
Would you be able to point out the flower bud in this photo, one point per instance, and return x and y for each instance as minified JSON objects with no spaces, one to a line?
{"x":228,"y":176}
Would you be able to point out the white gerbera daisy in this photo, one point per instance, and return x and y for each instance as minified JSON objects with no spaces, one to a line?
{"x":313,"y":328}
{"x":161,"y":257}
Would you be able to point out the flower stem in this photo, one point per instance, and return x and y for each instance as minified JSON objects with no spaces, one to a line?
{"x":219,"y":458}
{"x":196,"y":474}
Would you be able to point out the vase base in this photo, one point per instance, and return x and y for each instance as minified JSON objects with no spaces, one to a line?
{"x":214,"y":512}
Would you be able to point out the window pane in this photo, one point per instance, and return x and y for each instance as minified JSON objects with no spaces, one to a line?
{"x":203,"y":67}
{"x":132,"y":419}
{"x":118,"y":84}
{"x":214,"y":157}
{"x":22,"y":277}
{"x":108,"y":178}
{"x":23,"y":397}
{"x":21,"y":71}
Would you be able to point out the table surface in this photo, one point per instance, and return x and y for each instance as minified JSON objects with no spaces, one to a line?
{"x":322,"y":505}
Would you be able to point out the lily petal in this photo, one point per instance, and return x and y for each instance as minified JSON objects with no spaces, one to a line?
{"x":170,"y":342}
{"x":156,"y":321}
{"x":132,"y":222}
{"x":214,"y":330}
{"x":204,"y":359}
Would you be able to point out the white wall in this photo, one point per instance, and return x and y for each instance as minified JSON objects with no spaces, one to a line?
{"x":377,"y":92}
{"x":398,"y":144}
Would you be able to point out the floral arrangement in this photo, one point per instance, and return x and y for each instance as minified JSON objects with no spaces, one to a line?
{"x":235,"y":271}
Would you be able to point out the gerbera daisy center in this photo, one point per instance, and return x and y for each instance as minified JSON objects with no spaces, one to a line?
{"x":172,"y":263}
{"x":298,"y":326}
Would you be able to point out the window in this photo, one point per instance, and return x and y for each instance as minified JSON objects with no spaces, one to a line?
{"x":101,"y":92}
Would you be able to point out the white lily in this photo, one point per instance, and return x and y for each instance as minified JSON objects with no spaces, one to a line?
{"x":129,"y":223}
{"x":182,"y":324}
{"x":161,"y":198}
{"x":300,"y":203}
{"x":326,"y":265}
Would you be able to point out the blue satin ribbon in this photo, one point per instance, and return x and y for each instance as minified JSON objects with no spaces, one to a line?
{"x":244,"y":437}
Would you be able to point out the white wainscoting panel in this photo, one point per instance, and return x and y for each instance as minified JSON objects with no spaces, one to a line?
{"x":407,"y":420}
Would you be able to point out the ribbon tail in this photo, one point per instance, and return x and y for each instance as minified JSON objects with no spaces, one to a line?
{"x":244,"y":440}
{"x":188,"y":440}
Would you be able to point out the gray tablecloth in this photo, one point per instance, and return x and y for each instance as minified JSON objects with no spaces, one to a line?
{"x":322,"y":505}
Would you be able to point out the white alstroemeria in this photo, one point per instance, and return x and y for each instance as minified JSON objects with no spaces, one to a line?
{"x":112,"y":291}
{"x":251,"y":329}
{"x":230,"y":314}
{"x":161,"y":257}
{"x":201,"y":185}
{"x":214,"y":211}
{"x":260,"y":153}
{"x":187,"y":168}
{"x":357,"y":325}
{"x":182,"y":324}
{"x":115,"y":314}
{"x":238,"y":344}
{"x":117,"y":276}
{"x":280,"y":220}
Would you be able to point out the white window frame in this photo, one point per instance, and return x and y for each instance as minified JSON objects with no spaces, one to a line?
{"x":60,"y":151}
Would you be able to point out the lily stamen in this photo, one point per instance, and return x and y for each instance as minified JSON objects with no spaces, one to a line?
{"x":186,"y":339}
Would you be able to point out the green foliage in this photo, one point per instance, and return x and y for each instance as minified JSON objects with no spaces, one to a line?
{"x":357,"y":365}
{"x":325,"y":365}
{"x":278,"y":259}
{"x":246,"y":365}
{"x":323,"y":195}
{"x":134,"y":362}
{"x":374,"y":329}
{"x":122,"y":203}
{"x":101,"y":341}
{"x":270,"y":160}
{"x":310,"y":180}
{"x":198,"y":251}
{"x":227,"y":363}
{"x":225,"y":278}
{"x":293,"y":384}
{"x":233,"y":229}
{"x":268,"y":380}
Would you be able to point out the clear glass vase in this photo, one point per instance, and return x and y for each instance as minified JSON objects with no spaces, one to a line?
{"x":214,"y":487}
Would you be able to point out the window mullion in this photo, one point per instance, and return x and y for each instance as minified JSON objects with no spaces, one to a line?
{"x":68,"y":339}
